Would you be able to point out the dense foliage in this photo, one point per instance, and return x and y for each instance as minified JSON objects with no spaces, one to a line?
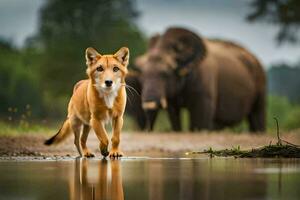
{"x":283,"y":80}
{"x":284,"y":13}
{"x":38,"y":78}
{"x":67,"y":28}
{"x":19,"y":92}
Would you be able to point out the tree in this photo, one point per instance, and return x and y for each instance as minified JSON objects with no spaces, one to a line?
{"x":67,"y":28}
{"x":283,"y":80}
{"x":285,"y":13}
{"x":19,"y":92}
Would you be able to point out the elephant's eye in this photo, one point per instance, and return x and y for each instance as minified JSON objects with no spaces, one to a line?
{"x":100,"y":69}
{"x":115,"y":69}
{"x":176,"y":48}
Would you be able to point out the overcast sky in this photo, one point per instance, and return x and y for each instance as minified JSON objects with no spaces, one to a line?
{"x":211,"y":18}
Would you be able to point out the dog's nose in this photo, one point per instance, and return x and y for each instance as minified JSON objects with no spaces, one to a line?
{"x":108,"y":83}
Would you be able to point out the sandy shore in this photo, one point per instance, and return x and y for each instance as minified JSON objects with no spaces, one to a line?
{"x":145,"y":144}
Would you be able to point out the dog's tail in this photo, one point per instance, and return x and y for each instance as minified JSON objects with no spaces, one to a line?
{"x":62,"y":134}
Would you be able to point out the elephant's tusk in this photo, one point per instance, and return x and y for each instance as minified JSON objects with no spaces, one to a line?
{"x":150,"y":105}
{"x":164,"y":103}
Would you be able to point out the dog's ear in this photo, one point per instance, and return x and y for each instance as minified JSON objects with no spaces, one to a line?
{"x":91,"y":56}
{"x":123,"y":56}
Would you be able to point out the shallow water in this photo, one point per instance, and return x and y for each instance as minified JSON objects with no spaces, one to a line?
{"x":148,"y":178}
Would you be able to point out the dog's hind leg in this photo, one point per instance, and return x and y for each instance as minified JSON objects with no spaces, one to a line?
{"x":76,"y":125}
{"x":85,"y":132}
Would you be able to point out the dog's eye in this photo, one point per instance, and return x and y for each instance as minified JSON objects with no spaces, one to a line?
{"x":99,"y":69}
{"x":115,"y":69}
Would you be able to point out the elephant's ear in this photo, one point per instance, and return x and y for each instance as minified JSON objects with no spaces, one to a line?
{"x":187,"y":45}
{"x":153,"y":41}
{"x":194,"y":48}
{"x":133,"y":80}
{"x":140,"y":62}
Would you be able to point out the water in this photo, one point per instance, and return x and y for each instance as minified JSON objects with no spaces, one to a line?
{"x":146,"y":178}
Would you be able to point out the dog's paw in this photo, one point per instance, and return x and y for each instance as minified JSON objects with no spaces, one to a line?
{"x":104,"y":149}
{"x":89,"y":155}
{"x":115,"y":154}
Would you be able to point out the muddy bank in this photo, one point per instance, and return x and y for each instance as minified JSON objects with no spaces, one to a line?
{"x":132,"y":144}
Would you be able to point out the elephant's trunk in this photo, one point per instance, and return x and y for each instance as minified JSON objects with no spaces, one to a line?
{"x":151,"y":109}
{"x":151,"y":117}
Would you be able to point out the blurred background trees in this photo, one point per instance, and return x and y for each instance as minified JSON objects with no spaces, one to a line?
{"x":283,"y":80}
{"x":43,"y":73}
{"x":285,"y":13}
{"x":67,"y":28}
{"x":37,"y":79}
{"x":19,"y":88}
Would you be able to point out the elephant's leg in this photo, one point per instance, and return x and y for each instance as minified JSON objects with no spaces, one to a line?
{"x":257,"y":116}
{"x":135,"y":110}
{"x":199,"y":121}
{"x":202,"y":111}
{"x":217,"y":126}
{"x":174,"y":116}
{"x":151,"y":118}
{"x":141,"y":119}
{"x":194,"y":117}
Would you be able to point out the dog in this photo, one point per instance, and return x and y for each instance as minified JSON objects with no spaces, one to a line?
{"x":97,"y":100}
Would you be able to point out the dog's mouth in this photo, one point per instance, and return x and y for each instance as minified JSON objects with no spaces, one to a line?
{"x":104,"y":88}
{"x":108,"y":89}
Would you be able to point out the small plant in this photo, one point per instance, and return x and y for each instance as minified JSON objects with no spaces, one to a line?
{"x":282,"y":148}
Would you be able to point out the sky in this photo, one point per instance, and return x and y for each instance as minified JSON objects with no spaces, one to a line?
{"x":19,"y":19}
{"x":209,"y":18}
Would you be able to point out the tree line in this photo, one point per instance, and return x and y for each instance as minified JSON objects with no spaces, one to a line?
{"x":37,"y":79}
{"x":41,"y":75}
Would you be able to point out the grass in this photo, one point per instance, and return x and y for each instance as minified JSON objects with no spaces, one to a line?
{"x":270,"y":151}
{"x":282,"y":149}
{"x":287,"y":113}
{"x":8,"y":129}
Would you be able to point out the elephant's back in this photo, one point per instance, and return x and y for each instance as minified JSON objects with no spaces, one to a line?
{"x":222,"y":49}
{"x":240,"y":78}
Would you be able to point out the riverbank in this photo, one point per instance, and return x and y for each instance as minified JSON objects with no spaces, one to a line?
{"x":141,"y":144}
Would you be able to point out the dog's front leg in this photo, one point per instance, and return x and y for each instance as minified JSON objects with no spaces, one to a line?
{"x":101,"y":134}
{"x":115,"y":140}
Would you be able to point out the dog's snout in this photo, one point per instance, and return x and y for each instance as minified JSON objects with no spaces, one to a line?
{"x":108,"y":83}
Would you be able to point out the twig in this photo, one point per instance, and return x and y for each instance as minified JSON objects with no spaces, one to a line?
{"x":294,"y":145}
{"x":279,"y":142}
{"x":278,"y":137}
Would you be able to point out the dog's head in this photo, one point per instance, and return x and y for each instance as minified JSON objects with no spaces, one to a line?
{"x":107,"y":72}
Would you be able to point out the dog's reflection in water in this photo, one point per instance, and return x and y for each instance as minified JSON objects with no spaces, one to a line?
{"x":96,"y":180}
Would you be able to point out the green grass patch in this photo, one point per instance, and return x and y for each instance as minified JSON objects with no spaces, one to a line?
{"x":10,"y":129}
{"x":288,"y":115}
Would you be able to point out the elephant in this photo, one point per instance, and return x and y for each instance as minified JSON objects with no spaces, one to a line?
{"x":219,"y":82}
{"x":134,"y":101}
{"x":134,"y":89}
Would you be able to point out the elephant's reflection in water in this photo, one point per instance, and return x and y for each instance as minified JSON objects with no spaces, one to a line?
{"x":96,"y":180}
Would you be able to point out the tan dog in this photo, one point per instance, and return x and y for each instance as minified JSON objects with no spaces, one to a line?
{"x":96,"y":101}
